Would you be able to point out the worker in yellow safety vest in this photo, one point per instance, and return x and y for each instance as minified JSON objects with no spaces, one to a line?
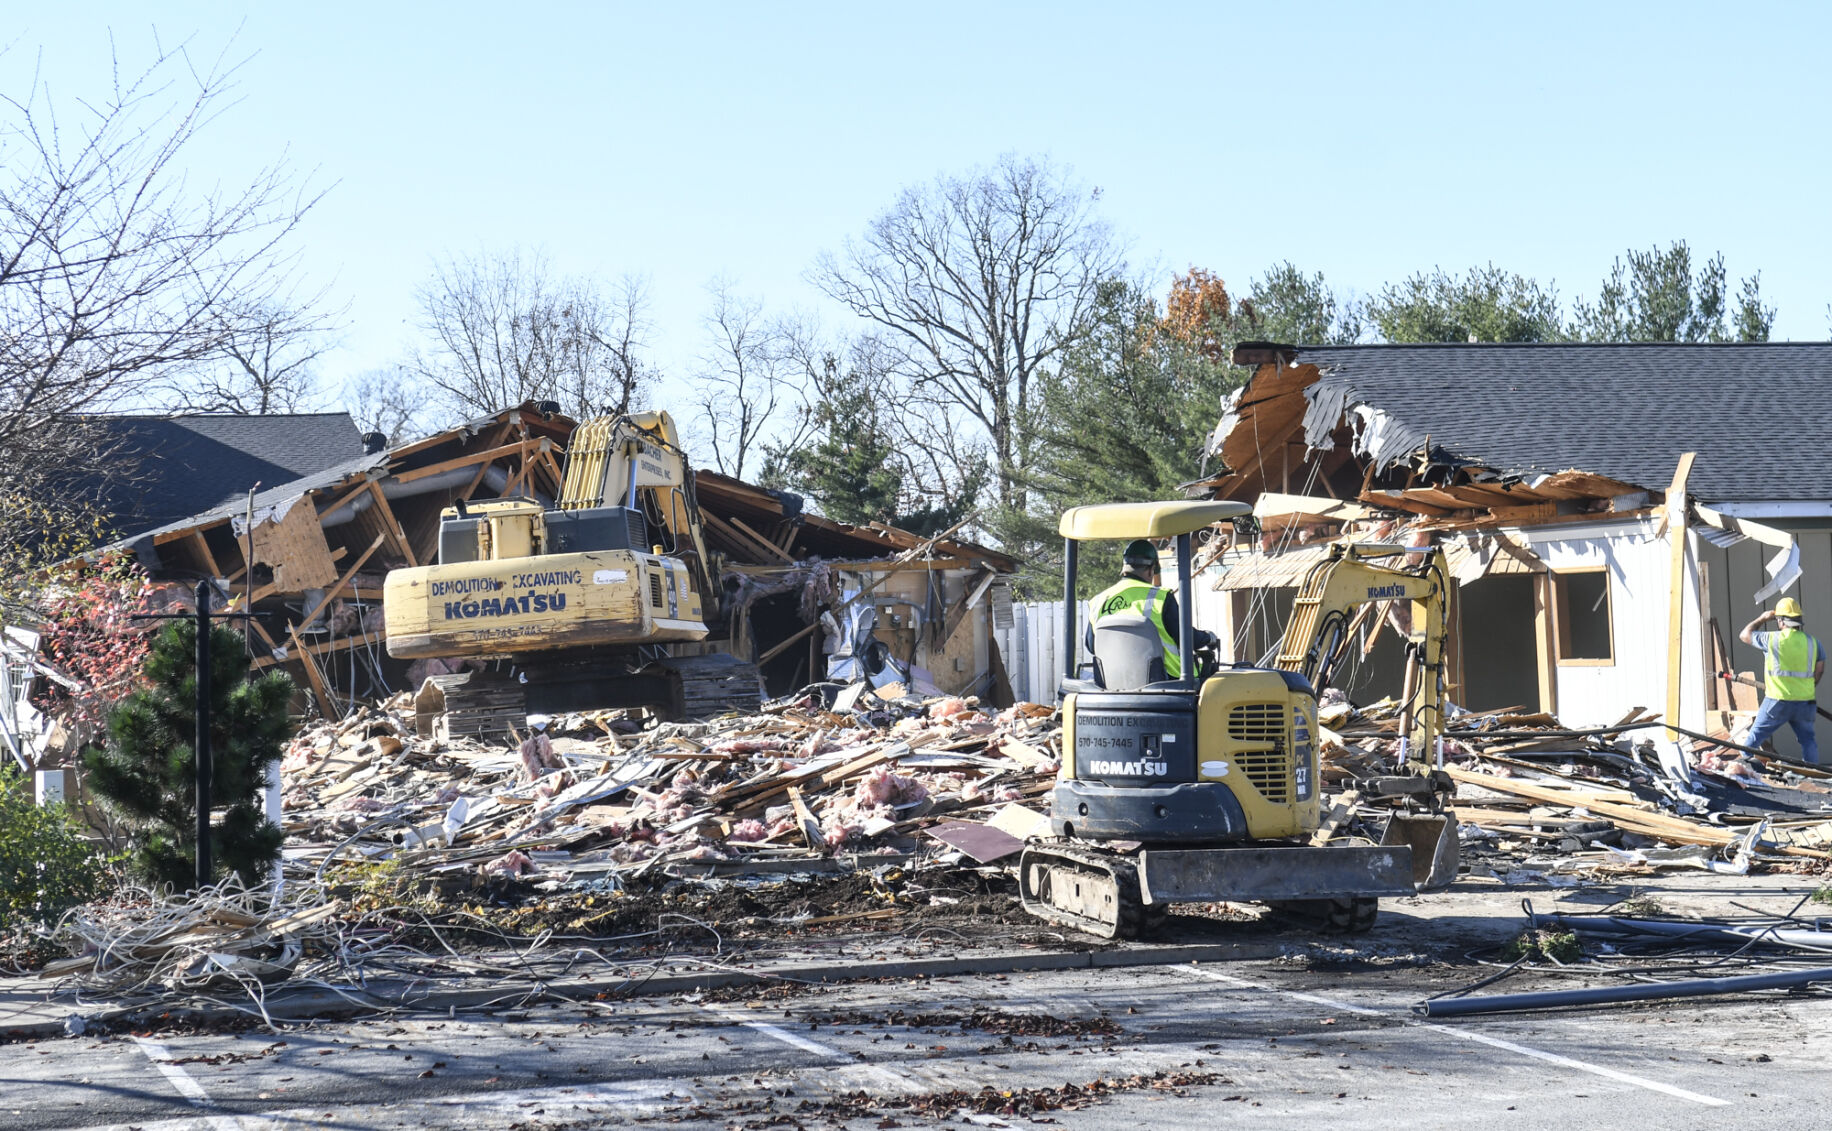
{"x":1792,"y":663}
{"x":1139,"y":590}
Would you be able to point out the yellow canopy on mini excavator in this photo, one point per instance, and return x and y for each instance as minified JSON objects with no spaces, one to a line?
{"x":1146,"y":520}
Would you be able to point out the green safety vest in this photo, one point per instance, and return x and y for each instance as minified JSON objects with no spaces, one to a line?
{"x":1787,"y":664}
{"x":1133,"y":595}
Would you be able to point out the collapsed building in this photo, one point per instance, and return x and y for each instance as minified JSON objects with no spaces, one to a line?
{"x":805,"y":598}
{"x":1612,"y":513}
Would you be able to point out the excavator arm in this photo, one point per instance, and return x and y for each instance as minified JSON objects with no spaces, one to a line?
{"x":1356,"y":582}
{"x":636,"y":460}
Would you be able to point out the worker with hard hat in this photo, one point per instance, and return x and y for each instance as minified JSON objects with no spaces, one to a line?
{"x":1792,"y":663}
{"x":1139,"y":591}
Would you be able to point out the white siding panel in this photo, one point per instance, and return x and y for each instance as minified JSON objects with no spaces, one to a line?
{"x":1638,"y":566}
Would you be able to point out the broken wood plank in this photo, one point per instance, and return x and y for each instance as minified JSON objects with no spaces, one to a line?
{"x":804,"y":819}
{"x":1339,"y":812}
{"x":769,"y":546}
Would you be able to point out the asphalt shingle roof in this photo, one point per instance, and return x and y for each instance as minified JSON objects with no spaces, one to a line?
{"x":185,"y":465}
{"x":1757,"y":414}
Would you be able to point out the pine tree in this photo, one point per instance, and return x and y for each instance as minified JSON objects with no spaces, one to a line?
{"x":146,"y":774}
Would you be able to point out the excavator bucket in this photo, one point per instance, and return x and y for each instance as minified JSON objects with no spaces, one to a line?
{"x":1433,"y":840}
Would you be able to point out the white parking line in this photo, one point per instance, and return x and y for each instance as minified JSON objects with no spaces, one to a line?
{"x":1468,"y":1035}
{"x":780,"y":1034}
{"x":183,"y":1084}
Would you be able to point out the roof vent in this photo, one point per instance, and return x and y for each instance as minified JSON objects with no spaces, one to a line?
{"x":374,"y":442}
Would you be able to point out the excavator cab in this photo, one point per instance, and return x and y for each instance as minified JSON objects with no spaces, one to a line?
{"x":1205,"y":788}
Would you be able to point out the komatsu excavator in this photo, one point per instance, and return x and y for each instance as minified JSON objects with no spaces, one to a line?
{"x":1205,"y":788}
{"x":583,"y":600}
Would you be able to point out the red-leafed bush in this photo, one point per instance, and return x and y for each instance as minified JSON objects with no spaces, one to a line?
{"x":90,"y":635}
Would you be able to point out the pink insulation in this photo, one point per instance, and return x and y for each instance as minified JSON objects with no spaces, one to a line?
{"x":948,"y":708}
{"x":751,"y":830}
{"x":882,"y":787}
{"x":538,"y":758}
{"x":515,"y":862}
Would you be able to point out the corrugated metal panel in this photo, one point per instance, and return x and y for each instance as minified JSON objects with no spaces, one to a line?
{"x":1268,"y":571}
{"x":1721,"y":538}
{"x":1032,"y":648}
{"x":1474,"y":557}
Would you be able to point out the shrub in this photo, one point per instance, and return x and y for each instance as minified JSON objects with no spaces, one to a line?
{"x":46,"y":867}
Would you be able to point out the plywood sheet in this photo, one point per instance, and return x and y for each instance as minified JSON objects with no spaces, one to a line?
{"x":293,"y":543}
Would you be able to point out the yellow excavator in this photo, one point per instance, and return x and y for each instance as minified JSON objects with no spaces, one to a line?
{"x":1205,"y":788}
{"x":585,"y":601}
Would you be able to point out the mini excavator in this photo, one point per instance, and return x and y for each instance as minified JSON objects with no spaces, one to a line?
{"x":583,"y":600}
{"x":1205,"y":788}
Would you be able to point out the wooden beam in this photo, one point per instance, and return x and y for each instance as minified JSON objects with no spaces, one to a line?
{"x":332,"y":593}
{"x":261,"y":631}
{"x":1401,"y":500}
{"x":1676,"y":586}
{"x":459,"y":461}
{"x":772,"y":547}
{"x":1545,"y":642}
{"x":306,"y":656}
{"x":176,"y":535}
{"x":971,"y":592}
{"x":320,"y":648}
{"x":524,"y":465}
{"x":203,"y":548}
{"x":552,"y":464}
{"x":361,"y":485}
{"x":741,"y":538}
{"x":391,"y":526}
{"x":327,"y":704}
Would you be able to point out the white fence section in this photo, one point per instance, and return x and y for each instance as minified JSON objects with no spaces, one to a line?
{"x":1032,"y":648}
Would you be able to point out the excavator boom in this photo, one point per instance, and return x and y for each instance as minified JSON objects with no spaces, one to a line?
{"x":1354,"y":583}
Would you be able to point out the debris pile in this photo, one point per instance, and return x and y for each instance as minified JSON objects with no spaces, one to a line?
{"x":1621,"y":799}
{"x":594,"y":796}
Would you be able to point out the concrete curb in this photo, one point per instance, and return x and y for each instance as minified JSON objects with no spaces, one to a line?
{"x":309,"y":1003}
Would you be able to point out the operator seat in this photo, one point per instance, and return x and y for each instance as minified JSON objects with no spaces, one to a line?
{"x":1128,"y":652}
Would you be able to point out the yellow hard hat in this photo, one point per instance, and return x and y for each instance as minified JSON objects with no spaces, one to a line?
{"x":1787,"y":607}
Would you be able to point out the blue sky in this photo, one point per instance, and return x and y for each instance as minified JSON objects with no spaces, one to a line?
{"x":683,"y":142}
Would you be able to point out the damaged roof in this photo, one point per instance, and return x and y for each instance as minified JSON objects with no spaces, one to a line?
{"x":177,"y":466}
{"x":1752,"y":411}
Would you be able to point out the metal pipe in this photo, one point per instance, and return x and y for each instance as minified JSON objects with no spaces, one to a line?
{"x":1070,"y":551}
{"x":1186,"y":616}
{"x":495,"y":479}
{"x":1667,"y":928}
{"x":1603,"y":995}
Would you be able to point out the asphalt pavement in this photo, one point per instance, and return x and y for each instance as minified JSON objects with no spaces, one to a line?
{"x":1282,"y":1029}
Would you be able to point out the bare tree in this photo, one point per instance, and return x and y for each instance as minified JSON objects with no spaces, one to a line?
{"x":503,"y":330}
{"x":391,"y":401}
{"x":979,"y":282}
{"x":115,"y":272}
{"x":748,"y":380}
{"x":267,"y":363}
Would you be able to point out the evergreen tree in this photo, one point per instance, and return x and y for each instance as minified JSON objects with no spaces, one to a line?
{"x":1658,"y":298}
{"x":1123,"y":419}
{"x":147,"y":771}
{"x":1486,"y":305}
{"x":851,"y":467}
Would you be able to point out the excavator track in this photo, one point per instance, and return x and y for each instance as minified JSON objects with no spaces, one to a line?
{"x":488,"y":705}
{"x":714,"y":685}
{"x":1087,"y":889}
